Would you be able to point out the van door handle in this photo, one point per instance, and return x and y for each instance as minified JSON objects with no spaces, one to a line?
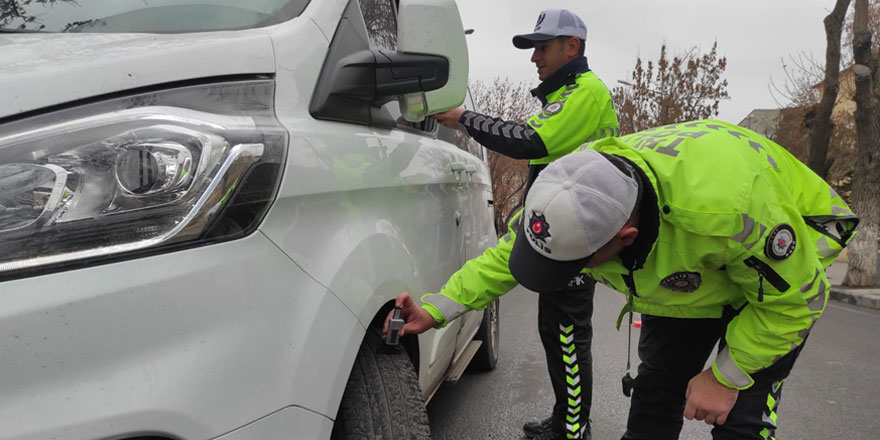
{"x":457,"y":169}
{"x":457,"y":218}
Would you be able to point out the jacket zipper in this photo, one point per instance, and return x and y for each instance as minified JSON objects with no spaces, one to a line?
{"x":627,"y":381}
{"x":765,"y":271}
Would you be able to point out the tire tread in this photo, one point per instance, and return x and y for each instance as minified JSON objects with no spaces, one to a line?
{"x":382,"y":398}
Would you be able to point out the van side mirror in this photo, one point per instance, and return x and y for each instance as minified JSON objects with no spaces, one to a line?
{"x":400,"y":73}
{"x":425,"y":76}
{"x":378,"y":76}
{"x":433,"y":27}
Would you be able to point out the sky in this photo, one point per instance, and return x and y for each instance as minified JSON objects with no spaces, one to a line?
{"x":755,"y":36}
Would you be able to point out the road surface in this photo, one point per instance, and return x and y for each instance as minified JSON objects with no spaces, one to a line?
{"x":833,"y":392}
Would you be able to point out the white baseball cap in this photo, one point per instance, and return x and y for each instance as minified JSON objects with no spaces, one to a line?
{"x":576,"y":205}
{"x":552,"y":23}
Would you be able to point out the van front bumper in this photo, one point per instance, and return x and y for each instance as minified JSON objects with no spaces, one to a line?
{"x":220,"y":340}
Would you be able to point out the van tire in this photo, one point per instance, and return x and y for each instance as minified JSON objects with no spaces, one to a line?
{"x":382,"y":398}
{"x":486,"y":357}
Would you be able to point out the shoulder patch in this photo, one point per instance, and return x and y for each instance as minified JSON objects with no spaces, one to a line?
{"x":553,"y":108}
{"x":685,"y":282}
{"x":780,"y":243}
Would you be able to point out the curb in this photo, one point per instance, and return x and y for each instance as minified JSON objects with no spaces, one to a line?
{"x":868,"y":298}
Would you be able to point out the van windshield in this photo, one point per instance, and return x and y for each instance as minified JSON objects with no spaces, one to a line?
{"x":151,"y":16}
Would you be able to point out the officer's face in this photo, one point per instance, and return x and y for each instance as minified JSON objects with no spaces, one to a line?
{"x":605,"y":254}
{"x":626,"y":237}
{"x":550,"y":55}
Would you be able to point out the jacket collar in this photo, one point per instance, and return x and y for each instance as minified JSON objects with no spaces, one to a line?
{"x":564,"y":76}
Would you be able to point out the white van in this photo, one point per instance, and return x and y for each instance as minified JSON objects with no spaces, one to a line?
{"x":207,"y":208}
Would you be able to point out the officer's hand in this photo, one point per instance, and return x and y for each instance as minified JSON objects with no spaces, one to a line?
{"x":449,"y":118}
{"x":417,"y":320}
{"x":708,"y":399}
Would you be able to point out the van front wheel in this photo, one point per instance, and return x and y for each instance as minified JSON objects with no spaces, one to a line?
{"x":382,"y":398}
{"x":487,"y":356}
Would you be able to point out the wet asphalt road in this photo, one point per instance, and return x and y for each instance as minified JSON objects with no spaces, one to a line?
{"x":833,"y":392}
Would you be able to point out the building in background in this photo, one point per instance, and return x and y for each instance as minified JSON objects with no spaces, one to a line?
{"x":762,"y":121}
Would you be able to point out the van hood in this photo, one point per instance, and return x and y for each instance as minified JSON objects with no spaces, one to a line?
{"x":41,"y":70}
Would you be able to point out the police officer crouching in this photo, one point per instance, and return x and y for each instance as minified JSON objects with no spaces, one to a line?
{"x":714,"y":233}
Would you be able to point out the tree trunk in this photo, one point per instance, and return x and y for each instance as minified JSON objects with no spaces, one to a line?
{"x":866,"y":177}
{"x":821,"y":127}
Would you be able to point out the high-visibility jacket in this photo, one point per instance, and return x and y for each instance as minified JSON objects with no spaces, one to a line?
{"x":577,"y":108}
{"x":573,"y":114}
{"x":741,"y":223}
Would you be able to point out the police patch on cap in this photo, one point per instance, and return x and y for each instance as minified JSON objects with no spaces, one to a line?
{"x":553,"y":108}
{"x":538,"y":227}
{"x":780,"y":243}
{"x":685,"y":282}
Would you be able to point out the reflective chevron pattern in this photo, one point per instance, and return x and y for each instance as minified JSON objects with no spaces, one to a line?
{"x":573,"y":425}
{"x":770,"y":418}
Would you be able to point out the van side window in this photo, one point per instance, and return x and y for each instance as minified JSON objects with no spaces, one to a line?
{"x":380,"y":17}
{"x":462,"y":141}
{"x":449,"y":135}
{"x":473,"y":146}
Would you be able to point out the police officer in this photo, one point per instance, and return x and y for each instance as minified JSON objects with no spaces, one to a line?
{"x":576,"y":109}
{"x":715,"y":234}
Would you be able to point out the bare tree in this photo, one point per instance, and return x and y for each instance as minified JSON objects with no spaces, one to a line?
{"x":511,"y":101}
{"x":873,"y":27}
{"x":820,"y":124}
{"x":798,"y":94}
{"x":792,"y":133}
{"x":686,"y":87}
{"x":798,"y":89}
{"x":862,"y":266}
{"x":15,"y":12}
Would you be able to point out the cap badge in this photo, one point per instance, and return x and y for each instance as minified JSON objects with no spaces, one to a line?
{"x":540,"y":20}
{"x":538,"y":227}
{"x":685,"y":282}
{"x":780,"y":243}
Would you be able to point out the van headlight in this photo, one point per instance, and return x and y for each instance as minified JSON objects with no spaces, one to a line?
{"x":149,"y":172}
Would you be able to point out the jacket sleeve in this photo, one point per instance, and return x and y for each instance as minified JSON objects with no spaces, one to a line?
{"x":785,"y":287}
{"x":479,"y":282}
{"x":509,"y":138}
